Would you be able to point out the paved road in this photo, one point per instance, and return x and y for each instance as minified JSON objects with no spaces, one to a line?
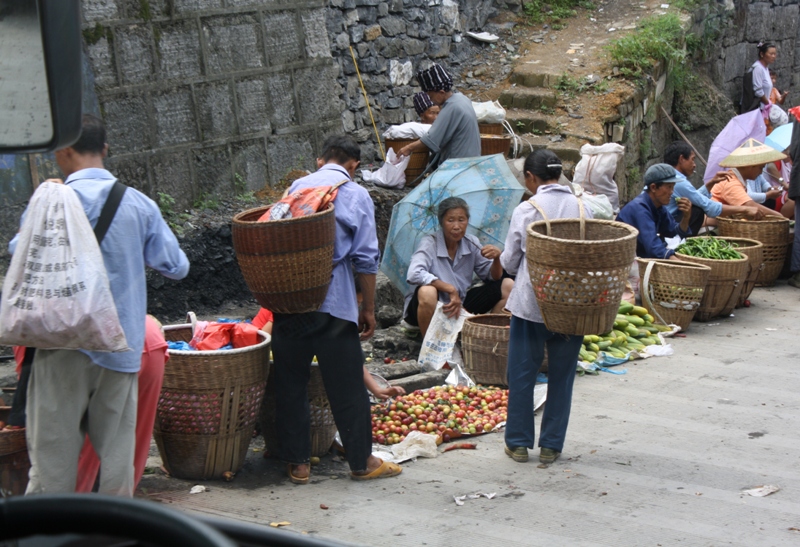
{"x":657,"y":456}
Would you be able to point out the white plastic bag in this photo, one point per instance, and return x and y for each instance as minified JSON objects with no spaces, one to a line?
{"x":56,"y":293}
{"x":595,"y":172}
{"x":598,"y":204}
{"x":408,"y":130}
{"x":437,"y":347}
{"x":489,"y":112}
{"x":392,"y":173}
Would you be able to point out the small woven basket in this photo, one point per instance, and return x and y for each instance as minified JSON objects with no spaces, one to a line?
{"x":14,"y":462}
{"x":578,"y":269}
{"x":772,"y":232}
{"x":495,"y":144}
{"x":286,"y":264}
{"x":209,"y":406}
{"x":323,"y":428}
{"x":484,"y":344}
{"x":672,"y":289}
{"x":725,"y":283}
{"x":417,"y":163}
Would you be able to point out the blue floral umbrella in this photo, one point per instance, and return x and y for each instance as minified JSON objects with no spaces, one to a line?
{"x":485,"y":183}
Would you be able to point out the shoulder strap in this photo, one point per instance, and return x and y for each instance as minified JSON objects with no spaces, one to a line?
{"x":109,"y":210}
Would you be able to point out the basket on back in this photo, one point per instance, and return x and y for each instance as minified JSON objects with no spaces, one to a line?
{"x":286,"y":264}
{"x":323,"y":428}
{"x":578,"y":269}
{"x":209,"y":406}
{"x":672,"y":289}
{"x":772,"y":232}
{"x":417,"y":163}
{"x":725,"y":283}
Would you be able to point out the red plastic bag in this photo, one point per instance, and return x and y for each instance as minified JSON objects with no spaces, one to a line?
{"x":303,"y":202}
{"x":244,"y":335}
{"x":215,"y":336}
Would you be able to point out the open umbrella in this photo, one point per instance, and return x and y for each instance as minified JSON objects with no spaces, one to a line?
{"x":780,"y":138}
{"x":485,"y":183}
{"x":739,"y":129}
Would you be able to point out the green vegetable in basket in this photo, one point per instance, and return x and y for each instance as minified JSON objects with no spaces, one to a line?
{"x":710,"y":247}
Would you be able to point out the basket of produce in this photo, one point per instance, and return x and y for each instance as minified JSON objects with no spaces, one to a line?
{"x":323,"y":428}
{"x":491,"y":128}
{"x":14,"y":462}
{"x":209,"y":406}
{"x":417,"y":163}
{"x":495,"y":144}
{"x":484,"y":345}
{"x":634,"y":330}
{"x":754,"y":251}
{"x":772,"y":232}
{"x":672,"y":289}
{"x":286,"y":264}
{"x":729,"y":270}
{"x":578,"y":269}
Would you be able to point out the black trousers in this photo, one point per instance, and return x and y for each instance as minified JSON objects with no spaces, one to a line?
{"x":335,"y":342}
{"x":17,"y":415}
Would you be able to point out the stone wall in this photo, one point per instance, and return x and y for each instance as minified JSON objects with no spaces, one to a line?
{"x":207,"y":97}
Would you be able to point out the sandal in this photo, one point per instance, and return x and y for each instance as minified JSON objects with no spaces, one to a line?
{"x":384,"y":470}
{"x":294,"y":478}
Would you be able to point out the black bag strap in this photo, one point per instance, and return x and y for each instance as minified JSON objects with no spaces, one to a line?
{"x":109,"y":210}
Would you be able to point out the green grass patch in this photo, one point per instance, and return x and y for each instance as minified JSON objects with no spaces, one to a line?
{"x":540,"y":11}
{"x":658,"y":39}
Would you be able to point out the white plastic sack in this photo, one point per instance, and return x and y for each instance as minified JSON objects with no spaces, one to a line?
{"x":56,"y":293}
{"x":598,"y":204}
{"x":408,"y":130}
{"x":437,"y":347}
{"x":416,"y":444}
{"x":777,"y":116}
{"x":392,"y":173}
{"x":595,"y":172}
{"x":489,"y":112}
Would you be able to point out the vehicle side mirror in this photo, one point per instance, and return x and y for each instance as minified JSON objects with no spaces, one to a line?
{"x":40,"y":75}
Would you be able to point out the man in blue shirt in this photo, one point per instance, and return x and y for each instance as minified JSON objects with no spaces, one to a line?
{"x":333,"y":333}
{"x":648,"y":214}
{"x":73,"y":393}
{"x":681,"y":156}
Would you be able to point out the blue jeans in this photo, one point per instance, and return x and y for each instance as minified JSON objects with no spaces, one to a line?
{"x":525,"y":355}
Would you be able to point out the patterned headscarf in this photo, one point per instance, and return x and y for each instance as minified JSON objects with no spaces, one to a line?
{"x":434,"y":78}
{"x":422,"y":102}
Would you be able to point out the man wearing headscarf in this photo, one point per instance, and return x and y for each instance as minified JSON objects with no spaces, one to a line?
{"x":455,"y":132}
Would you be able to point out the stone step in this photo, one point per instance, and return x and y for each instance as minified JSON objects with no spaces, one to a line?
{"x":558,"y":123}
{"x":530,"y":75}
{"x":528,"y":98}
{"x":568,"y":149}
{"x":531,"y":121}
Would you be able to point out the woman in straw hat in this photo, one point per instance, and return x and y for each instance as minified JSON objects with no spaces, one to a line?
{"x":745,"y":163}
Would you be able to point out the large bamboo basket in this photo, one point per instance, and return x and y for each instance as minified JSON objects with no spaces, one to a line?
{"x":754,"y":251}
{"x":417,"y":163}
{"x":495,"y":144}
{"x":323,"y":428}
{"x":725,"y":283}
{"x":208,"y":406}
{"x":491,"y":128}
{"x":578,"y":269}
{"x":673,"y":289}
{"x":484,"y":345}
{"x":772,"y":232}
{"x":14,"y":462}
{"x":286,"y":264}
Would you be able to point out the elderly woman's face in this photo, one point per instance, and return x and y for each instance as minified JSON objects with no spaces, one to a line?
{"x":429,"y":116}
{"x":454,"y":224}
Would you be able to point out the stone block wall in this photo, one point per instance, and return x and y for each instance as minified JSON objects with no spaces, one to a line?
{"x":209,"y":97}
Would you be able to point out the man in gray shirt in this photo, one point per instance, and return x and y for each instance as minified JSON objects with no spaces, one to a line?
{"x":455,"y":132}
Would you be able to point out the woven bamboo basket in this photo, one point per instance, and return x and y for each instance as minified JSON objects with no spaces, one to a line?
{"x":495,"y":144}
{"x":491,"y":128}
{"x":323,"y":428}
{"x":484,"y":344}
{"x":578,"y":269}
{"x":14,"y":462}
{"x":286,"y":264}
{"x":673,"y":289}
{"x":209,"y":406}
{"x":725,"y":283}
{"x":754,"y":251}
{"x":772,"y":232}
{"x":417,"y":163}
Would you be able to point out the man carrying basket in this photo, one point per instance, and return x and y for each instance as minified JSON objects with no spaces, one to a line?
{"x":333,"y":333}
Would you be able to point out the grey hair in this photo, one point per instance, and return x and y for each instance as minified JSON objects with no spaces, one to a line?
{"x":451,"y":203}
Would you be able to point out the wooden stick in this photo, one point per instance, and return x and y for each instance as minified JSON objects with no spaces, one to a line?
{"x":678,"y":129}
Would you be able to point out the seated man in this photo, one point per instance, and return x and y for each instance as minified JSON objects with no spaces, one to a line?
{"x":648,"y":214}
{"x":681,"y":156}
{"x":745,"y":163}
{"x":426,"y":110}
{"x":442,"y":268}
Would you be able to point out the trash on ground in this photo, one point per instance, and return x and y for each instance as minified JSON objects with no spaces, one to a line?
{"x":483,"y":36}
{"x":323,"y":506}
{"x":762,"y":491}
{"x":198,"y":489}
{"x":279,"y":524}
{"x":463,"y":446}
{"x":460,"y":499}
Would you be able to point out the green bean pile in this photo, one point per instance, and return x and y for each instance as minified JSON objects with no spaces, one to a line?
{"x":710,"y":247}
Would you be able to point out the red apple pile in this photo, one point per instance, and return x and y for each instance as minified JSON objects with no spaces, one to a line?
{"x":446,"y":411}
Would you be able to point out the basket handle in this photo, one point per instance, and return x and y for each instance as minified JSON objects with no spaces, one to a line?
{"x":191,"y":318}
{"x":541,"y":212}
{"x":646,"y":289}
{"x":547,"y":220}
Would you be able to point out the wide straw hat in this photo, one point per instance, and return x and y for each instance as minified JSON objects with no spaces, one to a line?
{"x":752,"y":152}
